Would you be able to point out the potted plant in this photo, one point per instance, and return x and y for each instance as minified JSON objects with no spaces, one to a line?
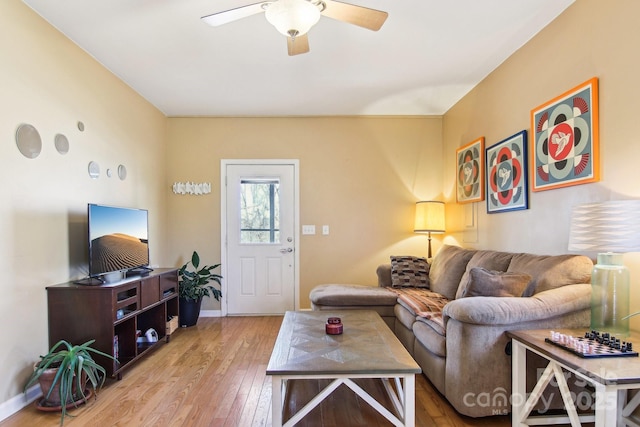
{"x":193,"y":285}
{"x":65,"y":373}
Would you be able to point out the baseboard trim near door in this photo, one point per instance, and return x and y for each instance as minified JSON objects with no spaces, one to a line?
{"x":210,"y":313}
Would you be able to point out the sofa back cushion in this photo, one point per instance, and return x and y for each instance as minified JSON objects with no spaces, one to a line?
{"x":447,"y":269}
{"x":489,"y":260}
{"x":550,"y":272}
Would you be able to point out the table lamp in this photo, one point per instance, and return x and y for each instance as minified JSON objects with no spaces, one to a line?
{"x":429,"y":219}
{"x":610,"y":228}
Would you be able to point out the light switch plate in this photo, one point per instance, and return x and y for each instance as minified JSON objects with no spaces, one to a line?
{"x":325,"y":230}
{"x":308,"y":229}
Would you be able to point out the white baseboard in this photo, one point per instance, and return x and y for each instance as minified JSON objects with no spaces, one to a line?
{"x":18,"y":402}
{"x":210,"y":313}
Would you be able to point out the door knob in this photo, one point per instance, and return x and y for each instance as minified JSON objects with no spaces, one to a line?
{"x":286,"y":250}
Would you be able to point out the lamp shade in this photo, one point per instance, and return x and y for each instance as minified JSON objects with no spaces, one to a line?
{"x":292,"y":17}
{"x":612,"y":226}
{"x":429,"y":217}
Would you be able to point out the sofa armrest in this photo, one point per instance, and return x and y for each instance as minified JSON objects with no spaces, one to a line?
{"x":384,"y":275}
{"x":478,"y":362}
{"x":513,"y":310}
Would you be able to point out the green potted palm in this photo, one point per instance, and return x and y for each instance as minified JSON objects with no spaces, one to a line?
{"x":193,"y":285}
{"x":68,"y":375}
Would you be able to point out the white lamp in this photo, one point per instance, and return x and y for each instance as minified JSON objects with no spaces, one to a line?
{"x":429,"y":219}
{"x":292,"y":17}
{"x":611,"y":228}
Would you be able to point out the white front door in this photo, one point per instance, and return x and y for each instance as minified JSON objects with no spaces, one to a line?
{"x":260,"y":211}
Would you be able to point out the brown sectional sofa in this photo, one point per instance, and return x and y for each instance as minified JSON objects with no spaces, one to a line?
{"x":460,"y":341}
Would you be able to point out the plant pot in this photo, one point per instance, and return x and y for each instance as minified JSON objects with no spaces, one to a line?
{"x":46,"y":380}
{"x":189,"y":312}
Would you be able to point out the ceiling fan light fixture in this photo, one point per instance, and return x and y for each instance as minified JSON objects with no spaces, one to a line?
{"x":292,"y":16}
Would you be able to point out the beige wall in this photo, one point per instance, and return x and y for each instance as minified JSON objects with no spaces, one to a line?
{"x":47,"y":81}
{"x":361,"y":176}
{"x":592,"y":38}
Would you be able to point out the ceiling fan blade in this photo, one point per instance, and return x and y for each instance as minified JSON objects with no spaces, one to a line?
{"x":371,"y":19}
{"x":231,"y":15}
{"x":297,"y":45}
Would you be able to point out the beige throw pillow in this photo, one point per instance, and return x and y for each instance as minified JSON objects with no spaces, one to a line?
{"x":488,"y":283}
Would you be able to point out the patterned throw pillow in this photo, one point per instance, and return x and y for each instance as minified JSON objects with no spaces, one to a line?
{"x":409,"y":271}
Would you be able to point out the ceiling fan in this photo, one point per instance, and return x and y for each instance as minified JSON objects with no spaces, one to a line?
{"x":294,"y":18}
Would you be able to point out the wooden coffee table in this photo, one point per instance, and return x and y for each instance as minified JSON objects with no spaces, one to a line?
{"x":366,"y":349}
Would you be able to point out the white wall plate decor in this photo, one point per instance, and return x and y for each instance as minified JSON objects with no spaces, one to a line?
{"x":28,"y":141}
{"x":62,"y":143}
{"x":94,"y":170}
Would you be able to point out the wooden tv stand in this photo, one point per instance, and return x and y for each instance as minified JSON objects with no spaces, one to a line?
{"x":111,"y":314}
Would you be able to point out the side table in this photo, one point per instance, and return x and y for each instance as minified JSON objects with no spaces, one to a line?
{"x":610,"y":376}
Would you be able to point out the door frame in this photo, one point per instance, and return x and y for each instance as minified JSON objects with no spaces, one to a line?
{"x":296,"y":220}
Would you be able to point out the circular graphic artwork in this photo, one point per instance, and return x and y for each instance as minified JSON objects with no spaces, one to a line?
{"x":469,"y":172}
{"x":506,"y":174}
{"x":565,"y":140}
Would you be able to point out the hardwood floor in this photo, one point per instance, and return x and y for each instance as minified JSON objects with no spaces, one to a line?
{"x":213,"y":374}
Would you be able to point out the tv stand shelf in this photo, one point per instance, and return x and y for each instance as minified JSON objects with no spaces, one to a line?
{"x":113,"y":313}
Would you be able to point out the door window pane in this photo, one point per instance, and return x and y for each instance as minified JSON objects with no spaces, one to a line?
{"x":259,"y":211}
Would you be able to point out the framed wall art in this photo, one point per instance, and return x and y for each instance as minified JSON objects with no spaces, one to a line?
{"x":564,"y":141}
{"x":470,"y":172}
{"x":507,"y":188}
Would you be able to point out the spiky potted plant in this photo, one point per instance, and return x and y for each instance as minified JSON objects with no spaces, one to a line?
{"x":193,"y":285}
{"x":67,"y":375}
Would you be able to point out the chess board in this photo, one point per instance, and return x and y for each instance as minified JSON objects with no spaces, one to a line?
{"x":593,"y":344}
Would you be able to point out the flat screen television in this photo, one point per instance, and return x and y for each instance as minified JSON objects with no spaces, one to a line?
{"x":118,"y":240}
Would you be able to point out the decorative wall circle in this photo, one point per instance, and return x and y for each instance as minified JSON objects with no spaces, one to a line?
{"x":28,"y":141}
{"x":94,"y":170}
{"x":62,"y":143}
{"x":81,"y":126}
{"x":122,"y":172}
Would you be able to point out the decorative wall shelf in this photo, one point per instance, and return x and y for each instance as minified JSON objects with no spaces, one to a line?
{"x":197,"y":189}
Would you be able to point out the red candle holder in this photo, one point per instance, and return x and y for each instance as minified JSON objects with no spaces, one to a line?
{"x":334,"y":326}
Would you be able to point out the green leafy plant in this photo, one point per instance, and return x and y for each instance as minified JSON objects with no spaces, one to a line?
{"x":194,"y":284}
{"x":75,"y":370}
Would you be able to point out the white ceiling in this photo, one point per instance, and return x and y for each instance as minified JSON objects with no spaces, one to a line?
{"x":427,"y":55}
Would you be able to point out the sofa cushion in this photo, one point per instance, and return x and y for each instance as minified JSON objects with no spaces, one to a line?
{"x":435,"y":322}
{"x":491,"y":260}
{"x":351,"y":295}
{"x":431,"y":335}
{"x":425,"y":306}
{"x":489,"y":283}
{"x":404,"y":315}
{"x":421,"y":302}
{"x":409,"y":271}
{"x":447,"y":269}
{"x":550,"y":272}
